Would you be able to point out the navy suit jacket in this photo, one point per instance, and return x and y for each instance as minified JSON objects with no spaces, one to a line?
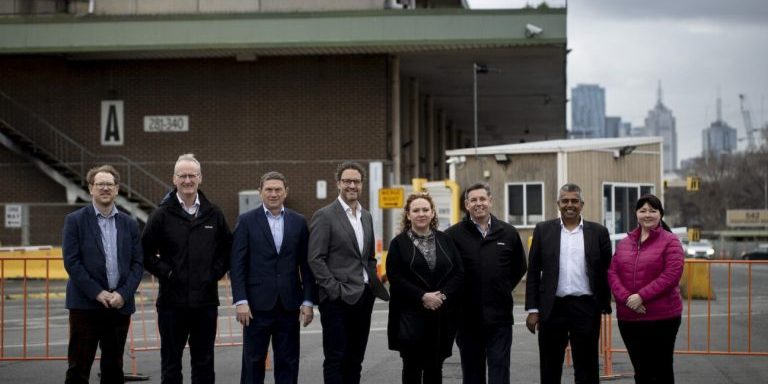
{"x":85,"y":259}
{"x":261,"y":274}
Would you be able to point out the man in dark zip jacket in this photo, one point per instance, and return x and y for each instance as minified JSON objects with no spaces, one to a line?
{"x":494,"y":263}
{"x":186,"y":245}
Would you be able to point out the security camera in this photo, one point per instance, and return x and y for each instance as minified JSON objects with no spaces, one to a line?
{"x":532,"y":30}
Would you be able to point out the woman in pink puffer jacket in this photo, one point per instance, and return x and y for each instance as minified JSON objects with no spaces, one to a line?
{"x":644,"y":277}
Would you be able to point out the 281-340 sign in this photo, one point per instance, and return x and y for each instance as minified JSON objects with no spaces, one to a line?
{"x":178,"y":123}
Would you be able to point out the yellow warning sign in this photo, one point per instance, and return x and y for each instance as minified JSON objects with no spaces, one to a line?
{"x":391,"y":197}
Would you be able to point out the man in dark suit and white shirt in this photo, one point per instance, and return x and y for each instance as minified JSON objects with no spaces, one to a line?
{"x":102,"y":255}
{"x":567,"y":289}
{"x":272,"y":285}
{"x":342,"y":258}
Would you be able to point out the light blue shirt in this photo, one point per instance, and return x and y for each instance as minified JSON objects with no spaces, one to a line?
{"x":276,"y":226}
{"x":108,"y":231}
{"x":480,"y":229}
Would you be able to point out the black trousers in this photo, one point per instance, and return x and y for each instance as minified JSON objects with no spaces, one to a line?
{"x":480,"y":345}
{"x":651,"y":345}
{"x":281,"y":326}
{"x":575,"y":319}
{"x":422,"y":367}
{"x":91,"y":328}
{"x":177,"y":327}
{"x":345,"y":337}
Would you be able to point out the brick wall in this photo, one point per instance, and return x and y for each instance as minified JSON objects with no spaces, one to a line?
{"x":297,"y":115}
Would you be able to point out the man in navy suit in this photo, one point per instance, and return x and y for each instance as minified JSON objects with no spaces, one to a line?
{"x":102,"y":255}
{"x":567,"y":289}
{"x":272,"y":286}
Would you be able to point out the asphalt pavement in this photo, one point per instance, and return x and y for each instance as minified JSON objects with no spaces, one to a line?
{"x":382,"y":366}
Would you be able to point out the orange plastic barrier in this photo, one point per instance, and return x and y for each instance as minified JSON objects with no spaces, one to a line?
{"x":145,"y":335}
{"x":34,"y":325}
{"x":699,"y":321}
{"x":16,"y":308}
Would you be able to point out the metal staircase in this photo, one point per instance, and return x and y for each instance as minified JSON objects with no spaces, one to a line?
{"x":67,"y":162}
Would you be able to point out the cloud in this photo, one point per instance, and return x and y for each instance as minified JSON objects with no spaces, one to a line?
{"x":739,"y":11}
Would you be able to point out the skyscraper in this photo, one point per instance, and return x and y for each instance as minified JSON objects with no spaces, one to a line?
{"x":661,"y":122}
{"x":612,"y":126}
{"x":588,"y":111}
{"x":719,"y":138}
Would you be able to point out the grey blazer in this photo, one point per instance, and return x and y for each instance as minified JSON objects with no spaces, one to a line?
{"x":336,"y":260}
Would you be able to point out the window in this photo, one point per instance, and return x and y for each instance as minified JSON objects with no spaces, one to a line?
{"x":525,"y":203}
{"x":619,"y":205}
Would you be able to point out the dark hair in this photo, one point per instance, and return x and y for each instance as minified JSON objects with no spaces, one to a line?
{"x":570,"y":187}
{"x":350,"y":165}
{"x":104,"y":168}
{"x":272,"y":175}
{"x":654,"y":203}
{"x":476,"y":186}
{"x":405,"y":224}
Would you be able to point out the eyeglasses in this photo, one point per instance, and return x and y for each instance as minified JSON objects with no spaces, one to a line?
{"x":352,"y":181}
{"x":188,"y":176}
{"x":104,"y":185}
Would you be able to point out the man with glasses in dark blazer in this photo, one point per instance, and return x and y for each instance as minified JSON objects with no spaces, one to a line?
{"x":102,"y":255}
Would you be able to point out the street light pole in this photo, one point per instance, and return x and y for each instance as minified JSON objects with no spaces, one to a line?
{"x":474,"y":99}
{"x":476,"y":68}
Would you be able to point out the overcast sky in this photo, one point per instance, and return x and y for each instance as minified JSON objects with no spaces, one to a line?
{"x":691,"y":46}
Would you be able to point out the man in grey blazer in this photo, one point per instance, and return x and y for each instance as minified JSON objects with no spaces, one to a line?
{"x":342,"y":258}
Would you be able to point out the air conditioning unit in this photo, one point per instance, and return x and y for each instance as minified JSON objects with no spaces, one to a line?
{"x":249,"y":200}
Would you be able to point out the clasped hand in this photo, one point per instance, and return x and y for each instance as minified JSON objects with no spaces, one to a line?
{"x":432,"y":300}
{"x":110,"y":299}
{"x":635,"y":303}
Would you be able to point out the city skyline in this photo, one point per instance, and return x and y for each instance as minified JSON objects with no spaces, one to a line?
{"x":693,"y":47}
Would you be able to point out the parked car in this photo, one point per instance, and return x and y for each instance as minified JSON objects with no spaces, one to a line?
{"x":759,"y":253}
{"x":701,"y":249}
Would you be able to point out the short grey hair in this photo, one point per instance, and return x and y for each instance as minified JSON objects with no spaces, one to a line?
{"x":188,"y":157}
{"x":570,"y":187}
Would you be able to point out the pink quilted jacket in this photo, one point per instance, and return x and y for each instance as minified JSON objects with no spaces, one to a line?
{"x":651,"y":269}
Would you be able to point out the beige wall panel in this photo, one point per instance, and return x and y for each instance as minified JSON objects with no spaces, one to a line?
{"x":591,"y":169}
{"x":319,"y":5}
{"x":113,"y":7}
{"x":520,"y":168}
{"x":166,"y":6}
{"x":230,"y":5}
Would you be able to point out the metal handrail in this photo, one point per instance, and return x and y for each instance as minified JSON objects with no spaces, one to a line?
{"x":48,"y":141}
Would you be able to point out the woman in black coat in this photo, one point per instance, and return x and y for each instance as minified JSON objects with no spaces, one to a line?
{"x":425,"y":276}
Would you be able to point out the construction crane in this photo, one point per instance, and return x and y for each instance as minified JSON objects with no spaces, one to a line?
{"x":745,"y":113}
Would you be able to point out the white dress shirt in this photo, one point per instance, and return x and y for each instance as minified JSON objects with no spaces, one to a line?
{"x":572,"y":279}
{"x":356,"y":220}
